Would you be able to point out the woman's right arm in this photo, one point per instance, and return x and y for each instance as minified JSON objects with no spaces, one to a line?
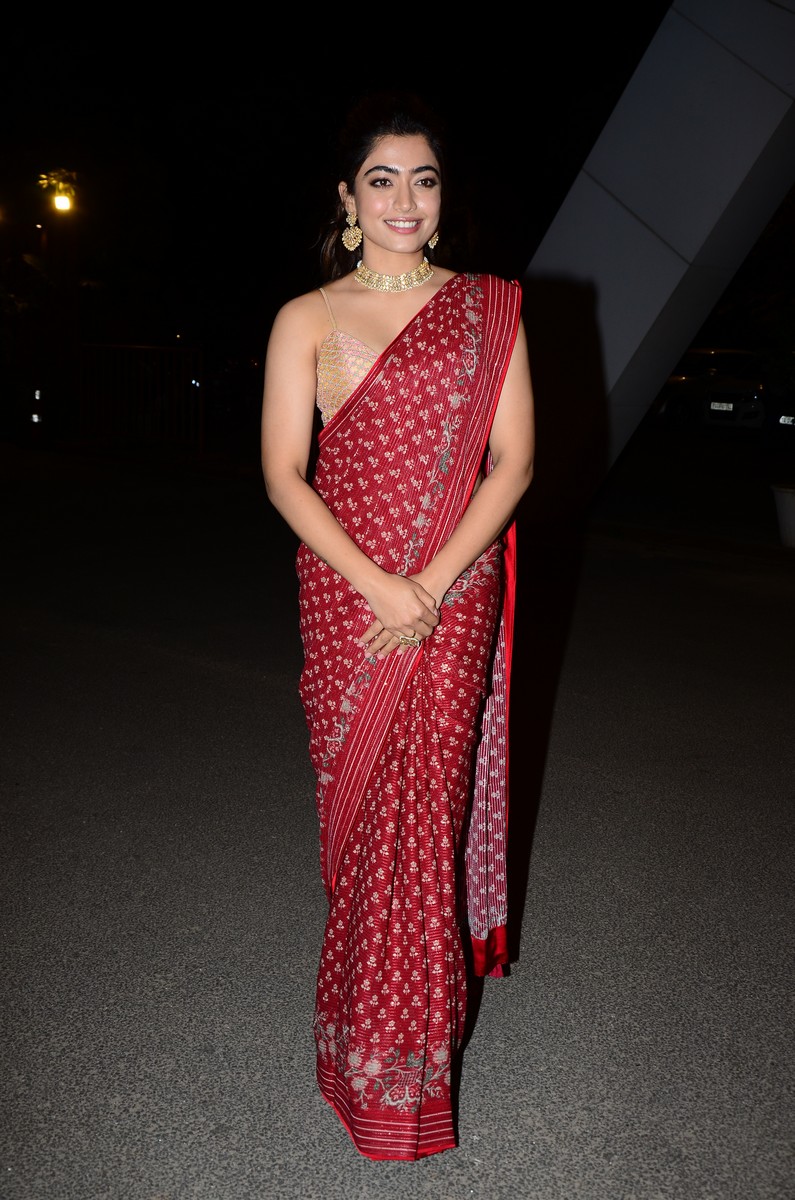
{"x":288,"y":410}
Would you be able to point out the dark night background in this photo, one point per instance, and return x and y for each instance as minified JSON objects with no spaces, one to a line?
{"x":162,"y":899}
{"x":204,"y":176}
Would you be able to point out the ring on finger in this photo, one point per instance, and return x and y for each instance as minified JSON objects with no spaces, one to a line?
{"x":409,"y":641}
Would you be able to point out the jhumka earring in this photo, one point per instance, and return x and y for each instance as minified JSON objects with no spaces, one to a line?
{"x":434,"y":241}
{"x":352,"y":236}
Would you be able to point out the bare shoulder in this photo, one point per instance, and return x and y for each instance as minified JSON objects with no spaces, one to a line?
{"x":302,"y":313}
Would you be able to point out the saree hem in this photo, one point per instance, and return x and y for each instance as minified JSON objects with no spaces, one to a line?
{"x":385,"y":1132}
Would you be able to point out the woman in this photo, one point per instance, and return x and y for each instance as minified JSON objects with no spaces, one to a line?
{"x":406,"y":593}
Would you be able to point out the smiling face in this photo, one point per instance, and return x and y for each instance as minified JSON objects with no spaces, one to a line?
{"x":397,"y":199}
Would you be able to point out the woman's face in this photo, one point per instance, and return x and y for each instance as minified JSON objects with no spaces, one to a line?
{"x":398,"y":194}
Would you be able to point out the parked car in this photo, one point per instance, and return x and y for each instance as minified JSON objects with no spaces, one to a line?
{"x":733,"y":390}
{"x":721,"y":388}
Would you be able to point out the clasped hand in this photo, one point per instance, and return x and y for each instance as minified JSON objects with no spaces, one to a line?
{"x":402,"y":608}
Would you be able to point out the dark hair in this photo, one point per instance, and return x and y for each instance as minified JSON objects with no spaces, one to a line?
{"x":374,"y":116}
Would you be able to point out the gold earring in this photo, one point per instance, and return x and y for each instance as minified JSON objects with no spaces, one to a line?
{"x":434,"y":241}
{"x":352,"y":236}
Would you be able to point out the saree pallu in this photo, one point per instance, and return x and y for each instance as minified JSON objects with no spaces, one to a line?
{"x":410,"y":751}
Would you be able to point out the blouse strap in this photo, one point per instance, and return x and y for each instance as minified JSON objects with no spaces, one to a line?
{"x":328,"y":306}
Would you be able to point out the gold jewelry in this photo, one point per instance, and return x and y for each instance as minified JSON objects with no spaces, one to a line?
{"x":409,"y":641}
{"x":434,"y":241}
{"x":352,"y":236}
{"x":393,"y":283}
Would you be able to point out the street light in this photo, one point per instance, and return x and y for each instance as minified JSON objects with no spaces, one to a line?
{"x":57,"y":351}
{"x":60,"y":185}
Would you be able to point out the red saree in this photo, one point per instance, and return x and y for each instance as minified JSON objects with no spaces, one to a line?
{"x":410,"y":751}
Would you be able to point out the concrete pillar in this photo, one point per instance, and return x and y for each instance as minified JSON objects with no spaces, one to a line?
{"x":694,"y":161}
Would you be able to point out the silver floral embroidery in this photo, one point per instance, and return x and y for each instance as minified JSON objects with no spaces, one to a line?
{"x":386,"y":1078}
{"x":459,"y":397}
{"x":335,"y":740}
{"x":481,"y":571}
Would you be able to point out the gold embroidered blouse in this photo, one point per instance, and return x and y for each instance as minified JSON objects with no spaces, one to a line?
{"x":343,"y":362}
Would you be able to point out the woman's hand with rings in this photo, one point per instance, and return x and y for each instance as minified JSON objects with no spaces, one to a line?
{"x":405,"y":614}
{"x":384,"y":642}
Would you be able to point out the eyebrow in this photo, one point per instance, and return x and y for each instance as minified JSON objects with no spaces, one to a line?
{"x":396,"y":170}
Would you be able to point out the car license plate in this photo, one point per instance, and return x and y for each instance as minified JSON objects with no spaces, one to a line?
{"x":786,"y":420}
{"x":722,"y":406}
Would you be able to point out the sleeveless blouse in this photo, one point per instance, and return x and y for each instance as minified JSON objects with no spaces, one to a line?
{"x":342,"y":363}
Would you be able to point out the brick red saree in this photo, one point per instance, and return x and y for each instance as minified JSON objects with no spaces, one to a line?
{"x":410,"y":751}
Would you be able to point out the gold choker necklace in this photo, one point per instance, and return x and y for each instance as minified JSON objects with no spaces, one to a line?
{"x":394,"y":283}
